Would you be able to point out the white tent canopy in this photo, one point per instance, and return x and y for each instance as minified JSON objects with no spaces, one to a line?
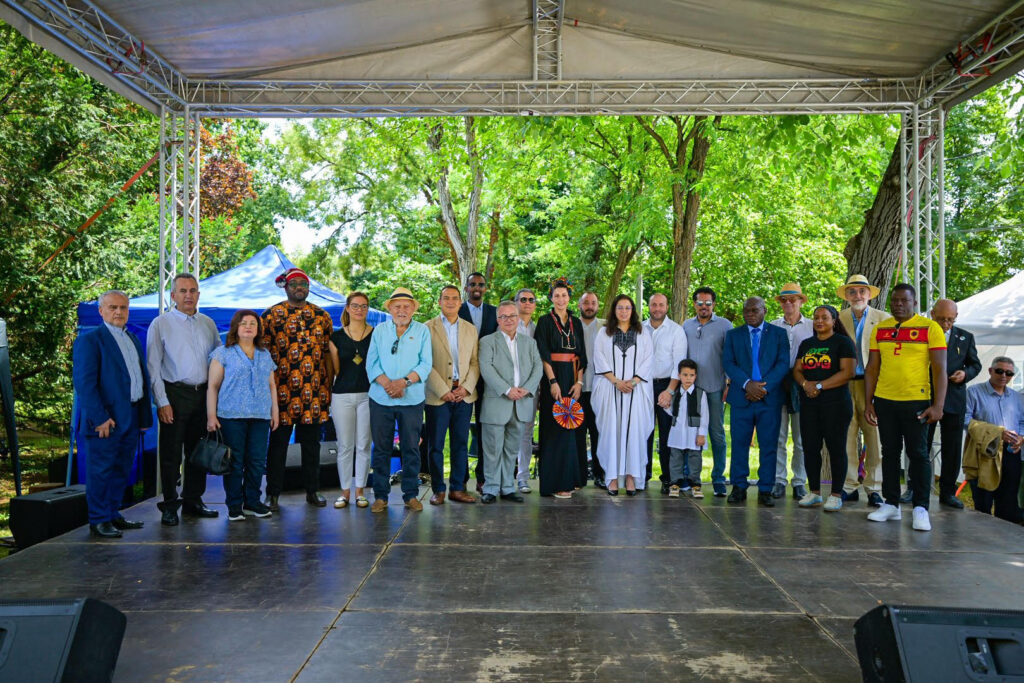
{"x":996,"y":317}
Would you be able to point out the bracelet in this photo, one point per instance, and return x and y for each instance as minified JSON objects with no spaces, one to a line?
{"x":552,"y":381}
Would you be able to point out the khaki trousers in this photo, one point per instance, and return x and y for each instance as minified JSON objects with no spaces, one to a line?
{"x":872,"y":458}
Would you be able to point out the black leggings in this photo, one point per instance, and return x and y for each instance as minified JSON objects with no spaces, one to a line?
{"x":825,"y":423}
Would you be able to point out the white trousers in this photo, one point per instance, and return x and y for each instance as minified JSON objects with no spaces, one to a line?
{"x":351,"y":415}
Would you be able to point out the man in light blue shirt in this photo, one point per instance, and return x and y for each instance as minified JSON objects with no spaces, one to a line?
{"x":399,"y":359}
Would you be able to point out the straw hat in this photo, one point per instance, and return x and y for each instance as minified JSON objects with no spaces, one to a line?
{"x":791,"y":289}
{"x":402,"y":294}
{"x":858,"y":281}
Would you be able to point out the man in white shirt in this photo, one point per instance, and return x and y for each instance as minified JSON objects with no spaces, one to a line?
{"x":589,"y":306}
{"x":526,"y":304}
{"x":798,"y":328}
{"x":178,"y":347}
{"x":669,"y":342}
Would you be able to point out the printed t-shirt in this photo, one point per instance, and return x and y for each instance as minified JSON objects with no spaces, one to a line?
{"x":820,"y":360}
{"x":905,"y":372}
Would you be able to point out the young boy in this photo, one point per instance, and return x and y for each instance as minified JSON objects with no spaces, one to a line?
{"x":688,"y":434}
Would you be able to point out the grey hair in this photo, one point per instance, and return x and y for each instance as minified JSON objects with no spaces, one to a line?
{"x":520,"y":293}
{"x":506,"y":302}
{"x":183,"y":276}
{"x":1003,"y":359}
{"x":107,"y":293}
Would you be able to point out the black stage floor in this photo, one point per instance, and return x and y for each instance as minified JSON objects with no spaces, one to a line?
{"x":597,"y":588}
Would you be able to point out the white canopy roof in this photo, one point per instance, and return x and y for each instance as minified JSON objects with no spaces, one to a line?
{"x":369,"y":57}
{"x":996,"y":316}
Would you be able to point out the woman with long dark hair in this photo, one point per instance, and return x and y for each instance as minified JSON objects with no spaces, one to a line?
{"x":559,"y":338}
{"x":623,"y":397}
{"x":825,"y":363}
{"x":241,"y":401}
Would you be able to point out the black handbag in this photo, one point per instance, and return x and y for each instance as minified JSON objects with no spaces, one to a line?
{"x":211,"y":454}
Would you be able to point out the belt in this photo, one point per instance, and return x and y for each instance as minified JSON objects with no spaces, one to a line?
{"x":858,"y":377}
{"x":563,"y":357}
{"x":455,"y":384}
{"x":185,"y":385}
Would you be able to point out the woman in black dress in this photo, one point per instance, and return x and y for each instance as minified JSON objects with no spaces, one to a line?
{"x":559,"y":338}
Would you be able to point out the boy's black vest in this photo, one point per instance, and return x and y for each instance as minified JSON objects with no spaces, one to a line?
{"x":692,"y":405}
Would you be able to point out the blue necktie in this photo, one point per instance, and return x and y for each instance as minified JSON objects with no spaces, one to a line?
{"x":755,"y":351}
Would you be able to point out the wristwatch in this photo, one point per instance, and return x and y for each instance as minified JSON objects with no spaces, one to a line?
{"x":552,"y":381}
{"x":818,"y":386}
{"x":408,"y":382}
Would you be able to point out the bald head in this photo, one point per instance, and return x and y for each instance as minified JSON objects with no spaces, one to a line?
{"x":753,"y":311}
{"x":657,"y":307}
{"x":944,"y":313}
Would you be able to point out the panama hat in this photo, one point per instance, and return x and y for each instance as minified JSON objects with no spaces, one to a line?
{"x":400,"y":294}
{"x":791,"y":289}
{"x":858,"y":281}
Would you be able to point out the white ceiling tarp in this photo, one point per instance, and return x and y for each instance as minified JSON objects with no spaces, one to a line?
{"x":996,"y":316}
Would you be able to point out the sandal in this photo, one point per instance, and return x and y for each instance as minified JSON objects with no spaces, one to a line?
{"x":361,"y":502}
{"x":563,"y":495}
{"x":341,"y":502}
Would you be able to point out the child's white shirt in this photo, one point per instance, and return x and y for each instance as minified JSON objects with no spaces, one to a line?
{"x":682,"y":435}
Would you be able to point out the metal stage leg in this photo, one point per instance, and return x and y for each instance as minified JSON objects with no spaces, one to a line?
{"x":923,"y":249}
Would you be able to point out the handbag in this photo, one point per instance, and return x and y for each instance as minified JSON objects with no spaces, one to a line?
{"x":211,"y":454}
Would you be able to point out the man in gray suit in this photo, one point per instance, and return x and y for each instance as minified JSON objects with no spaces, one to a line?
{"x":510,"y":367}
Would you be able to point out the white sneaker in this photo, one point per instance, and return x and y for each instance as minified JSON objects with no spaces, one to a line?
{"x":833,"y":504}
{"x":524,"y":487}
{"x":921,"y":521}
{"x":885,"y":513}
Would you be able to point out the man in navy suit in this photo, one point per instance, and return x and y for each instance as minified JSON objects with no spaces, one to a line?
{"x":756,"y":359}
{"x":112,"y":384}
{"x":484,"y":317}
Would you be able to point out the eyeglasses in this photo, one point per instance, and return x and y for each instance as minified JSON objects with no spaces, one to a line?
{"x":359,"y":307}
{"x":624,"y":308}
{"x":298,"y":284}
{"x":703,"y":303}
{"x":527,"y":300}
{"x":394,"y":347}
{"x":507,"y":317}
{"x":1000,"y":371}
{"x":477,"y":284}
{"x":789,"y":299}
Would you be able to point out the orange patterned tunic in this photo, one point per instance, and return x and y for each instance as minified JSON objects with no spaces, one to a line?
{"x":297,"y":339}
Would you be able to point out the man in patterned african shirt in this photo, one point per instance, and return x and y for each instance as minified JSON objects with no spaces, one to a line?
{"x":297,"y":334}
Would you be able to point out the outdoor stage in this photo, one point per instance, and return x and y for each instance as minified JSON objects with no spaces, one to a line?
{"x":597,"y":588}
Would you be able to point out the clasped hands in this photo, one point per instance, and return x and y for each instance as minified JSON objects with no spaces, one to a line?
{"x":516,"y":393}
{"x":755,"y":391}
{"x":395,"y":388}
{"x":455,"y":395}
{"x":811,"y":392}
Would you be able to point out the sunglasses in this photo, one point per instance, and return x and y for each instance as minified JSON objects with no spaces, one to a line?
{"x":703,"y":303}
{"x":298,"y":284}
{"x":1006,"y":373}
{"x":527,"y":300}
{"x":394,"y":347}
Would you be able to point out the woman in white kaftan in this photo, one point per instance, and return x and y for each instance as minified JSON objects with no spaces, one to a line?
{"x":623,"y":397}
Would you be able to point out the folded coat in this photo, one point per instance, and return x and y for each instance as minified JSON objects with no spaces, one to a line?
{"x":983,"y":454}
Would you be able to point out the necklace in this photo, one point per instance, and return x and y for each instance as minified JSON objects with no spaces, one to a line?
{"x":358,"y":357}
{"x":569,"y":337}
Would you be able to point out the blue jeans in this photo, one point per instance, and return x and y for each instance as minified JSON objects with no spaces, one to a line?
{"x":716,"y":435}
{"x":766,"y":418}
{"x":247,"y":439}
{"x":382,"y":428}
{"x":449,"y":419}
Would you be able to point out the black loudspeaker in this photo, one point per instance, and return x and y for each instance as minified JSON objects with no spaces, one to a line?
{"x":59,"y":640}
{"x":36,"y":517}
{"x":897,"y":643}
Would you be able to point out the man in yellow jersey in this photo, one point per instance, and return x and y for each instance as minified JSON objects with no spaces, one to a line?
{"x":906,"y":350}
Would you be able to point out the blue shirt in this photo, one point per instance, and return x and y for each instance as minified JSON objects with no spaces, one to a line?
{"x":1006,"y":411}
{"x":477,"y":314}
{"x":858,"y":330}
{"x":131,"y":359}
{"x":245,"y":391}
{"x":413,"y":353}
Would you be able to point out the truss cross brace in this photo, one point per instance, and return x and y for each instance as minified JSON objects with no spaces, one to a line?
{"x":547,"y":39}
{"x":923,"y":249}
{"x":179,"y":197}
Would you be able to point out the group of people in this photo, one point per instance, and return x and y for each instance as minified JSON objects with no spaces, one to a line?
{"x":832,"y":381}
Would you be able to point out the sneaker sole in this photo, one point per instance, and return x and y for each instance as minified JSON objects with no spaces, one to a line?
{"x":240,"y":518}
{"x":253,"y":513}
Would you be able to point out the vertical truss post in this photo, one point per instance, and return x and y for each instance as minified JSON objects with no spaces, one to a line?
{"x":547,"y":39}
{"x":179,"y":196}
{"x":921,"y":183}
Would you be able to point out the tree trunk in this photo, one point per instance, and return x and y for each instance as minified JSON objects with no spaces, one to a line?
{"x":874,"y":252}
{"x":491,"y":243}
{"x":464,"y":247}
{"x":626,"y":254}
{"x":685,"y":211}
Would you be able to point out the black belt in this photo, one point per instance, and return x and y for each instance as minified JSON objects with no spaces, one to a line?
{"x":858,"y":377}
{"x":185,"y":385}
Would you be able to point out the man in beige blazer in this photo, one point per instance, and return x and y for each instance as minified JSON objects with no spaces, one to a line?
{"x":450,"y":394}
{"x":859,"y":319}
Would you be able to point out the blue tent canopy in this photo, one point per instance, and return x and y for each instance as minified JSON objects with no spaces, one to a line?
{"x":247,"y":285}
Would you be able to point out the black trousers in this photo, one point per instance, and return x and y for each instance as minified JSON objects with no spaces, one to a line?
{"x":476,"y":446}
{"x":664,"y":422}
{"x":179,"y":439}
{"x":826,"y":423}
{"x":308,"y":437}
{"x":1004,"y":498}
{"x":951,"y":428}
{"x":899,"y":428}
{"x":589,"y":426}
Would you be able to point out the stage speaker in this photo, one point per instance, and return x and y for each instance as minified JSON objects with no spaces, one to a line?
{"x":898,"y":643}
{"x":59,"y":640}
{"x":36,"y":517}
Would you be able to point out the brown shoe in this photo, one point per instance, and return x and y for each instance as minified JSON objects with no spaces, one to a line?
{"x":461,"y":497}
{"x":437,"y":498}
{"x":414,"y":504}
{"x":379,"y":505}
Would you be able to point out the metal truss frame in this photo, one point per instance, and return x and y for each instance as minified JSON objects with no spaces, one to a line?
{"x":922,"y":231}
{"x":179,"y":197}
{"x":547,"y":39}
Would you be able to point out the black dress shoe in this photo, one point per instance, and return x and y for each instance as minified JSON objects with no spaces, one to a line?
{"x":121,"y":524}
{"x":665,"y":486}
{"x":514,"y":497}
{"x":198,"y":510}
{"x":949,"y":500}
{"x":314,"y":498}
{"x":169,"y":518}
{"x":799,"y":492}
{"x":851,"y":497}
{"x":612,"y":492}
{"x":599,"y":483}
{"x":778,"y":491}
{"x":765,"y":498}
{"x":272,"y":503}
{"x":737,"y":495}
{"x":488,"y":498}
{"x":104,"y":530}
{"x":630,"y":493}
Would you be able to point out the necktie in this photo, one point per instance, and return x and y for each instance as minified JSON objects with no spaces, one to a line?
{"x":755,"y":352}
